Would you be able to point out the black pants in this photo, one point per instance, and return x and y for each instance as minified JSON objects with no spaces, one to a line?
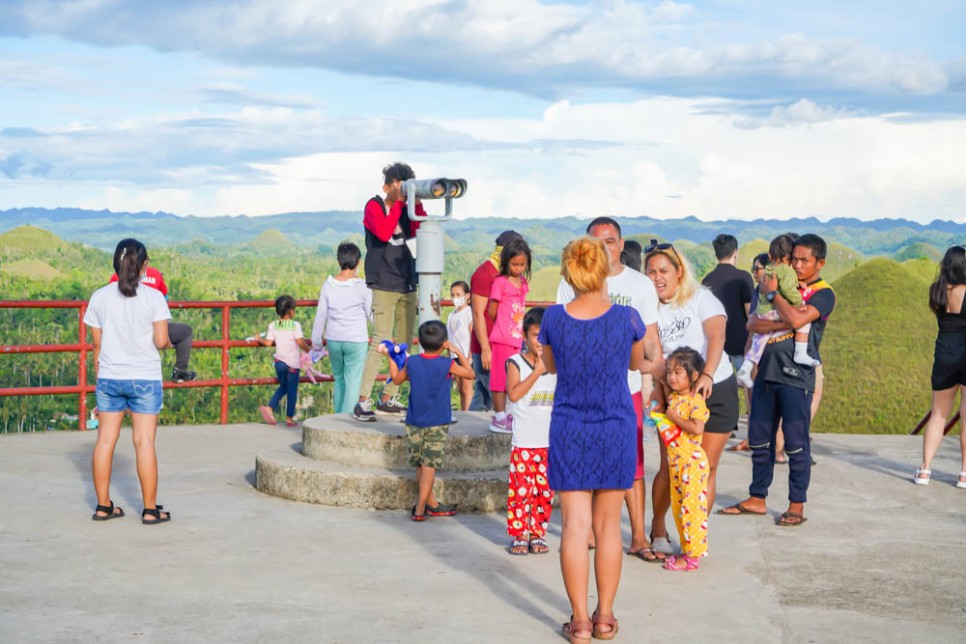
{"x":180,"y":336}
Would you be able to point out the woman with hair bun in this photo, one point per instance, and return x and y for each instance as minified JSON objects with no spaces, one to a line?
{"x":946,"y":297}
{"x":128,"y":325}
{"x":590,"y":344}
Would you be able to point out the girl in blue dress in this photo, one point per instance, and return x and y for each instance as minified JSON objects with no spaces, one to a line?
{"x":590,"y":344}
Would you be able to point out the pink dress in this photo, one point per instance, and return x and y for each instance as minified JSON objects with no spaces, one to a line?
{"x":506,"y":337}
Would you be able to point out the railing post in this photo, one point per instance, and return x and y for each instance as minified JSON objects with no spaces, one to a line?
{"x":225,"y":334}
{"x":82,"y":369}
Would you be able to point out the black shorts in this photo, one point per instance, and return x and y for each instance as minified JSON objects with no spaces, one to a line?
{"x":723,"y":405}
{"x":949,"y":360}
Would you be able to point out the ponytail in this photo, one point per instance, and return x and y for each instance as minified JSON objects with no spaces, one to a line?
{"x":130,"y":256}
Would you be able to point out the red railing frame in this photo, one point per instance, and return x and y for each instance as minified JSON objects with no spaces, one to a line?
{"x":925,"y":419}
{"x":82,"y":347}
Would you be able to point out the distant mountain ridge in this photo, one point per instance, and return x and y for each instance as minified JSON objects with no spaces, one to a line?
{"x":102,"y":228}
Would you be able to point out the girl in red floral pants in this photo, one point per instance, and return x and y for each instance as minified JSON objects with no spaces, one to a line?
{"x":530,"y":391}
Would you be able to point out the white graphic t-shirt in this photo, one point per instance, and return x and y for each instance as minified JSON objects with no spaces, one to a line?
{"x":682,"y":327}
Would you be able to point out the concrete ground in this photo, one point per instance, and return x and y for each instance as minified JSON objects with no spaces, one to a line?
{"x":880,"y":560}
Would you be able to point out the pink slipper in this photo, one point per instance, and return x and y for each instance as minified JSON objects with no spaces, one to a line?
{"x":267,"y":414}
{"x":690,"y":563}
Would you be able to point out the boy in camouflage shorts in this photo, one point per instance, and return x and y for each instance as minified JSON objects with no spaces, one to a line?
{"x":429,"y":413}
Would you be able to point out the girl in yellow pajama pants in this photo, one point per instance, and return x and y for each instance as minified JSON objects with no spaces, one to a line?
{"x":687,"y":462}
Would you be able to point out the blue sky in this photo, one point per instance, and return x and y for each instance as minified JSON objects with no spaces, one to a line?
{"x":727,"y":109}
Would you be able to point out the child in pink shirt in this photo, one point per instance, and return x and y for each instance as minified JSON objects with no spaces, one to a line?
{"x":286,"y":335}
{"x":508,"y":303}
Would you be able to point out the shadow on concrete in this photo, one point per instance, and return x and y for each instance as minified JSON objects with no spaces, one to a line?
{"x":125,"y":487}
{"x":504,"y":579}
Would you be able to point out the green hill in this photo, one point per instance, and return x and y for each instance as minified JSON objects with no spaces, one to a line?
{"x":34,"y":269}
{"x":28,"y":238}
{"x":919,"y":250}
{"x":877,"y":351}
{"x":544,"y":283}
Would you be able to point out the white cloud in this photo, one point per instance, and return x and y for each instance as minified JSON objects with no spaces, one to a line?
{"x":850,"y":165}
{"x":522,"y":45}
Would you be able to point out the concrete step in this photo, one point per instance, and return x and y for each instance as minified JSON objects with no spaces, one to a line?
{"x":286,"y":473}
{"x":382,"y":444}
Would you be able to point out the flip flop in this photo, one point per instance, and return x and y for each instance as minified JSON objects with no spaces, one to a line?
{"x":784,"y":522}
{"x":740,"y":511}
{"x":640,"y":554}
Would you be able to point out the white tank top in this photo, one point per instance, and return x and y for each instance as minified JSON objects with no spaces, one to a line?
{"x":531,"y":414}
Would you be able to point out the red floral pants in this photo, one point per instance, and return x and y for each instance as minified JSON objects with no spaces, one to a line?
{"x":529,"y":498}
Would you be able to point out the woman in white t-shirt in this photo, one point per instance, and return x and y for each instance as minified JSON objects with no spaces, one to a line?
{"x":690,"y":315}
{"x":128,"y":323}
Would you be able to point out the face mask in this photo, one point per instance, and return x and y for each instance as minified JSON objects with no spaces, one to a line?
{"x":459,"y":301}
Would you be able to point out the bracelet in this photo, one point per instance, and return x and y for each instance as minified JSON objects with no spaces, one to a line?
{"x":710,"y":377}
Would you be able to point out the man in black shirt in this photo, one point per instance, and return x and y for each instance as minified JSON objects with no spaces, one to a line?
{"x":783,"y":388}
{"x":733,"y":287}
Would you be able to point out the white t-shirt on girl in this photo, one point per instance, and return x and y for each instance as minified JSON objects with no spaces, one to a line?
{"x":285,"y":333}
{"x":531,"y":414}
{"x":458,"y":326}
{"x":682,"y":327}
{"x":127,"y":332}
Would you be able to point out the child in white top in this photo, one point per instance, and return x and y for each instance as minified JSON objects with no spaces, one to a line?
{"x":459,"y":325}
{"x":530,"y":391}
{"x":286,"y":335}
{"x":345,"y":307}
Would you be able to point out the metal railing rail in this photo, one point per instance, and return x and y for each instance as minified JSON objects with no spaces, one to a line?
{"x":82,"y":347}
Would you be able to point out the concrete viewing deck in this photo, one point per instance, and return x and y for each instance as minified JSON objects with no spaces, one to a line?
{"x":880,"y":560}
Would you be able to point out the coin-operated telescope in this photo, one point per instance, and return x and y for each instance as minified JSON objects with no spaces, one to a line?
{"x":430,"y":238}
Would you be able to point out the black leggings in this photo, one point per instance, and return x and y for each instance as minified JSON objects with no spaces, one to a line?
{"x":180,"y":336}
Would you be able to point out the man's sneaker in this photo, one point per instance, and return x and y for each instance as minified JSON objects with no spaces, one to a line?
{"x":504,"y":426}
{"x":391,"y":406}
{"x":441,"y":510}
{"x":183,"y":375}
{"x":363,"y":411}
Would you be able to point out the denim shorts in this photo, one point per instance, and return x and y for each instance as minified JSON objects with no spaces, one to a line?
{"x":136,"y":396}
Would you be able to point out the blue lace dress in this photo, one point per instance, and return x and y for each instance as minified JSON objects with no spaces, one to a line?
{"x":593,"y":427}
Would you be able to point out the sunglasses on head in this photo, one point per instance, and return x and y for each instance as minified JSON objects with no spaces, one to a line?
{"x":654,"y":246}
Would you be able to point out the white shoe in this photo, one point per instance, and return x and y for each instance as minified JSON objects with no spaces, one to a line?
{"x":504,"y":426}
{"x":961,"y":483}
{"x":924,"y":480}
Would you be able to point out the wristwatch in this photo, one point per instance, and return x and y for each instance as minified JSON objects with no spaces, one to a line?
{"x":770,"y":295}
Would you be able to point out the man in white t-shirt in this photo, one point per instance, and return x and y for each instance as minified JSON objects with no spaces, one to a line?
{"x":629,"y":288}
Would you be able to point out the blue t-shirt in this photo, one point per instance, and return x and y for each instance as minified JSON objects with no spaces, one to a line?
{"x":429,"y":386}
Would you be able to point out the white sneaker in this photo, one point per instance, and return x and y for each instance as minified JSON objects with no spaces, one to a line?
{"x":961,"y":483}
{"x":504,"y":426}
{"x":363,"y":411}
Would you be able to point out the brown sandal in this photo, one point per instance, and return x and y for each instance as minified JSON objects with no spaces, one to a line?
{"x":571,"y":628}
{"x":605,"y":620}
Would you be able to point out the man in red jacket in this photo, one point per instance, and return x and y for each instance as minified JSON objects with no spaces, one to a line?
{"x":391,"y":275}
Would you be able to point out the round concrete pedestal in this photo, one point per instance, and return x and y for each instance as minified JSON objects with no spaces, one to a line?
{"x":344,"y":462}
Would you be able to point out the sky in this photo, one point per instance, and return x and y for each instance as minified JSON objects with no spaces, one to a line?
{"x":729,"y":109}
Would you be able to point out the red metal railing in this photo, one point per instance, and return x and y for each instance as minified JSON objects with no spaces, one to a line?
{"x":82,"y":347}
{"x":925,"y":419}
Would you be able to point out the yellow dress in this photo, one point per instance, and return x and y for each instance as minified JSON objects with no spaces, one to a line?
{"x":688,"y":466}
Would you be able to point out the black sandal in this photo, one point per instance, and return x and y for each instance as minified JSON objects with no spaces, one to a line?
{"x":156,"y":513}
{"x":109,"y":509}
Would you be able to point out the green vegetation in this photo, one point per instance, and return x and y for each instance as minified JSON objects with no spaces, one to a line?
{"x":877,"y":350}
